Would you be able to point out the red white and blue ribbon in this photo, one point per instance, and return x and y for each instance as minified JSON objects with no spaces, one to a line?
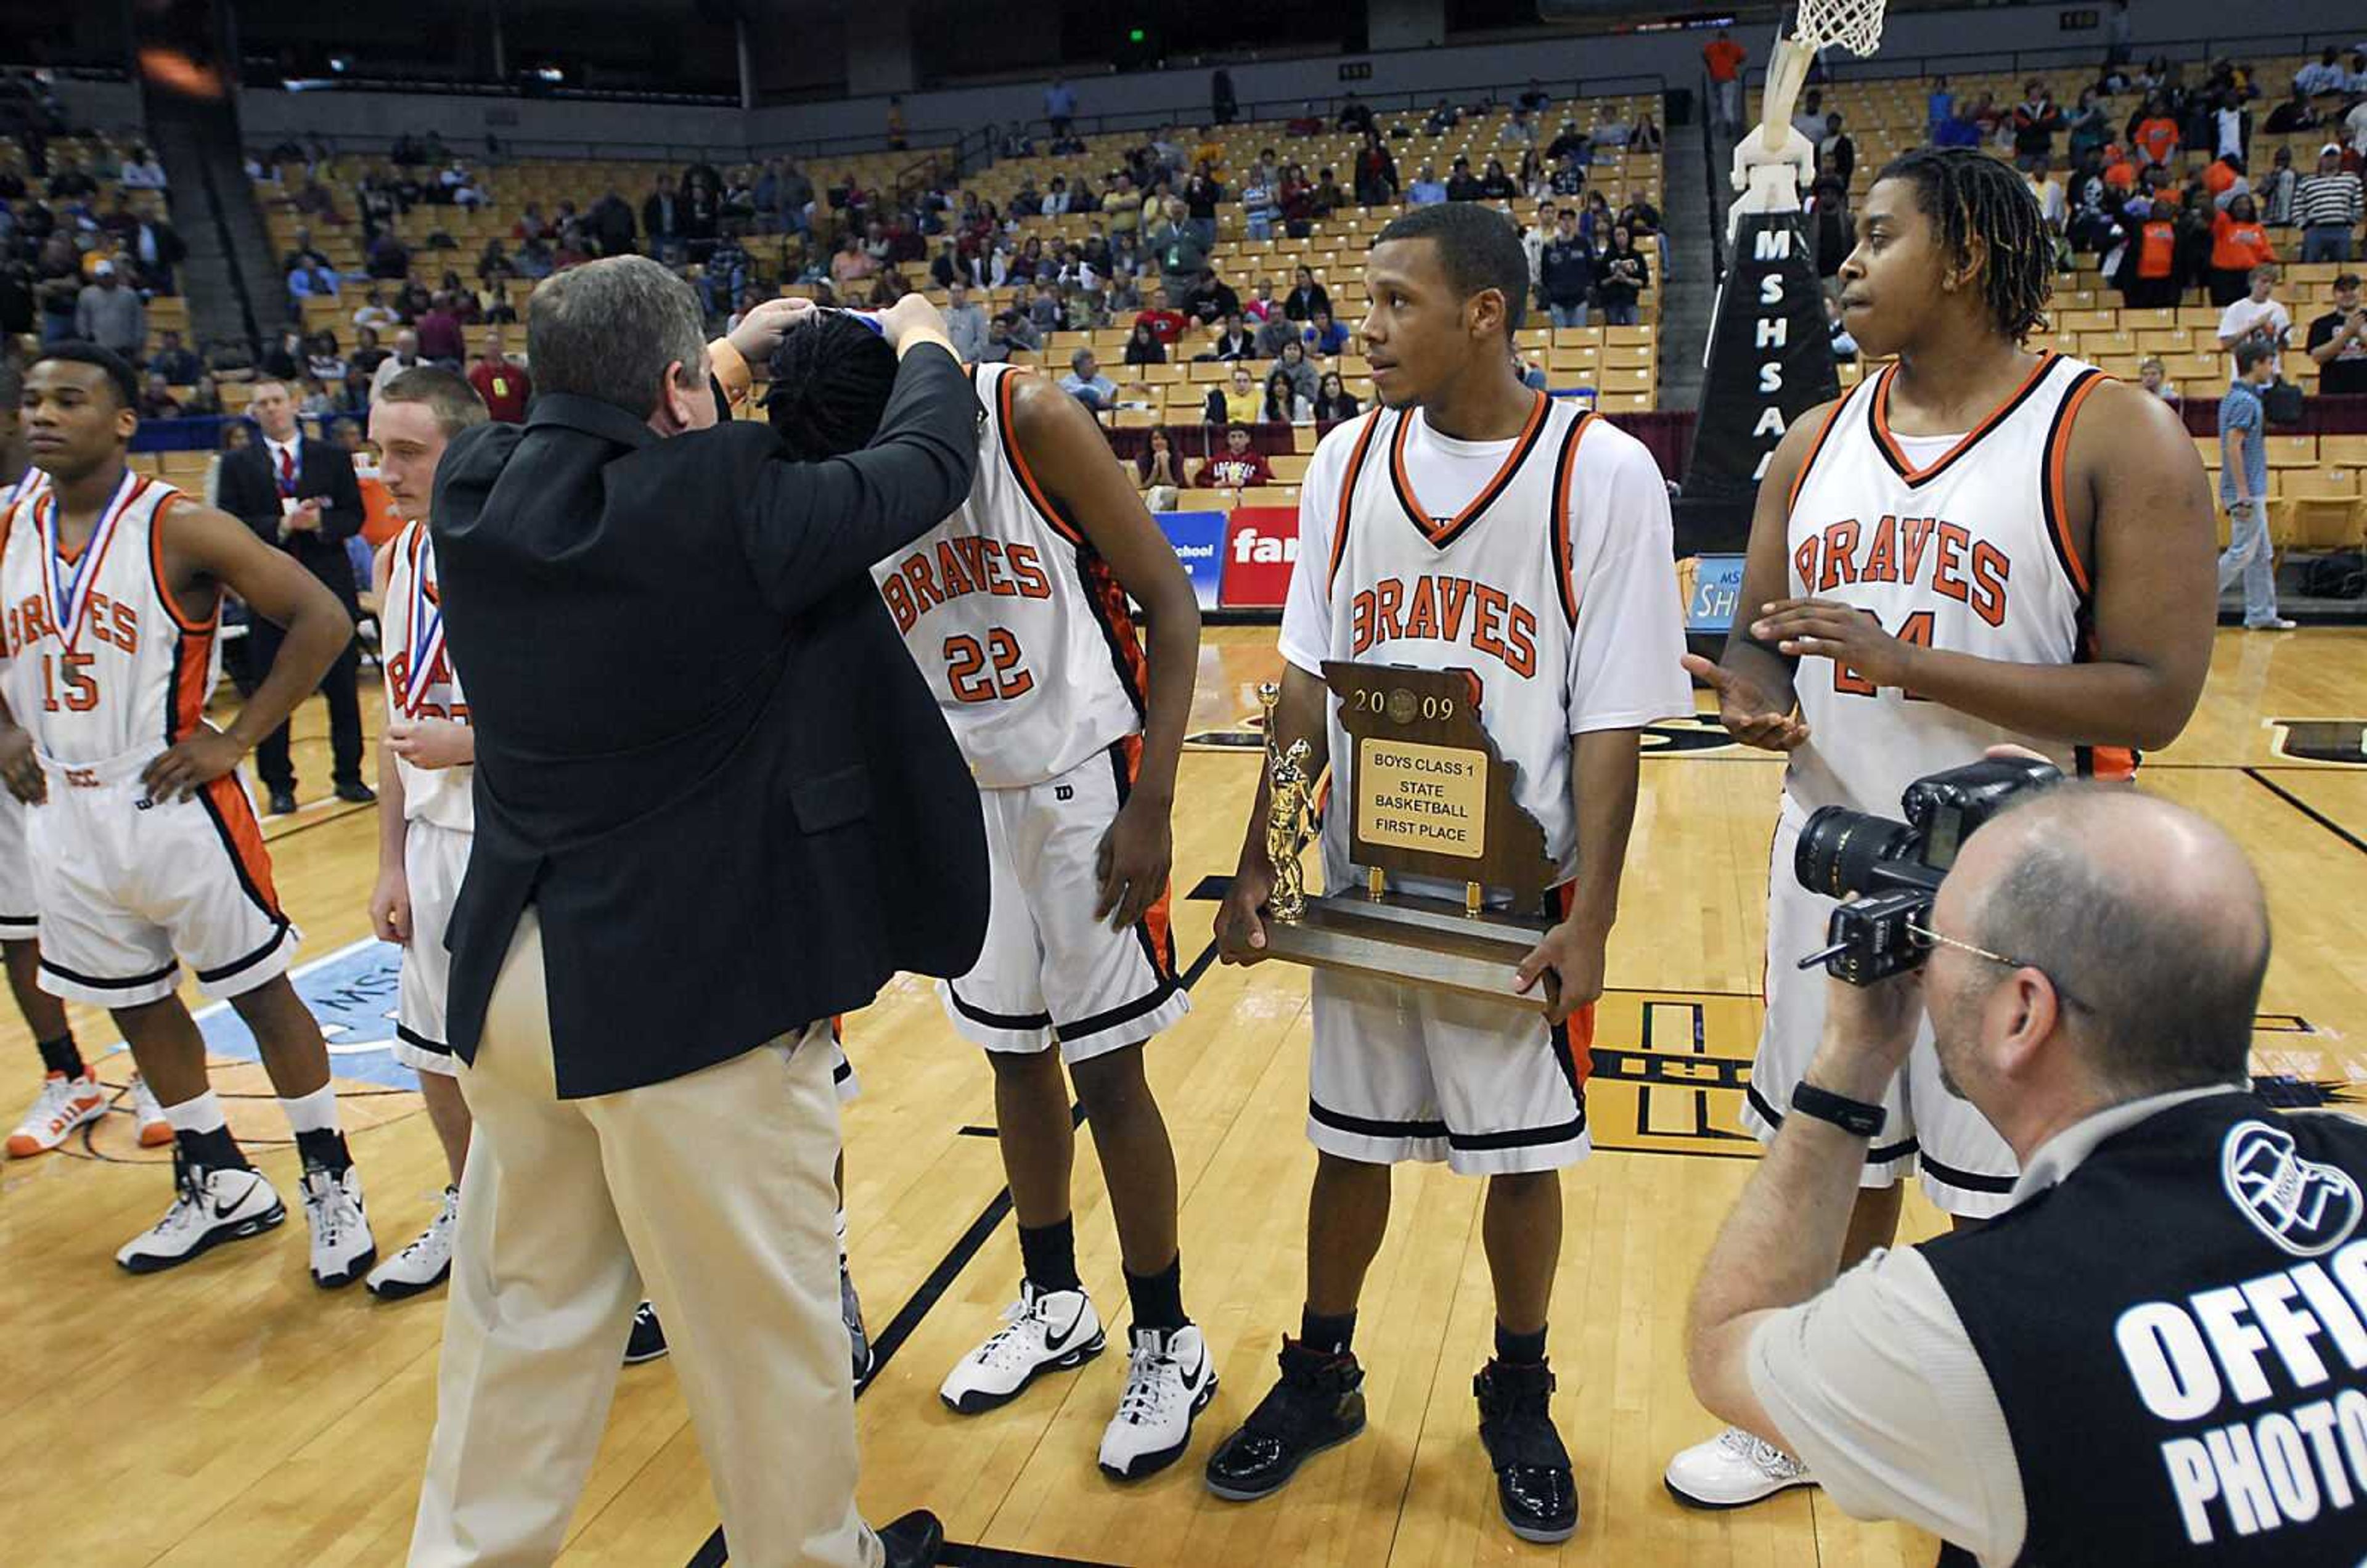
{"x":68,"y":596}
{"x":425,"y":627}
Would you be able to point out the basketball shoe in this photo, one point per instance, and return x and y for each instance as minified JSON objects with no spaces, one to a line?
{"x":62,"y":1105}
{"x":1534,"y":1485}
{"x":1733,"y":1469}
{"x":423,"y":1265}
{"x":212,"y":1205}
{"x":1168,"y":1381}
{"x":1318,"y":1404}
{"x":850,"y":1311}
{"x":154,"y":1131}
{"x":647,"y":1342}
{"x":1044,"y":1331}
{"x":343,"y":1247}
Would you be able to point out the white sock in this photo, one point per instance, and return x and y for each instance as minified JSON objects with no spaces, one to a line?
{"x":202,"y":1114}
{"x":313,"y":1112}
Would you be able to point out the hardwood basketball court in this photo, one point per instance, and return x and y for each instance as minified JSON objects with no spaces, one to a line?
{"x":228,"y":1414}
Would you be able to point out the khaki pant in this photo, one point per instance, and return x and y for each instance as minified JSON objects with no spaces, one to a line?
{"x":717,"y":1186}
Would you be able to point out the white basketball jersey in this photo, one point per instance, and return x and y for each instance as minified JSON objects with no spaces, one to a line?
{"x":1962,"y":544}
{"x":419,"y":678}
{"x":1491,"y":588}
{"x":1016,"y":620}
{"x":32,"y":483}
{"x":102,"y":662}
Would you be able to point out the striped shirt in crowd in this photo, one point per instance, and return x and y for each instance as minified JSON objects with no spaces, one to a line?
{"x":2327,"y":199}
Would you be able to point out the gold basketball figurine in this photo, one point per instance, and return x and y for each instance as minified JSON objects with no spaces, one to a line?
{"x":1289,"y":805}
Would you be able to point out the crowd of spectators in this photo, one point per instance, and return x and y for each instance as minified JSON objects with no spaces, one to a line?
{"x":85,"y":243}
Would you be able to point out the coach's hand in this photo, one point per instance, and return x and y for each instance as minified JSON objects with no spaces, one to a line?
{"x":1131,"y":866}
{"x":914,"y":320}
{"x":389,"y":906}
{"x":761,"y":330}
{"x":1569,"y":958}
{"x":19,"y":769}
{"x":180,"y":771}
{"x":1240,"y":919}
{"x":1749,"y":714}
{"x":1825,"y":628}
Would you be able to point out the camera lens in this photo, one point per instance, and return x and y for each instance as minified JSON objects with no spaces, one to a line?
{"x":1840,"y":848}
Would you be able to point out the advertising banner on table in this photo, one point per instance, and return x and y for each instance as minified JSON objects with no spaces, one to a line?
{"x":1199,"y":541}
{"x":1261,"y":543}
{"x":1711,"y":584}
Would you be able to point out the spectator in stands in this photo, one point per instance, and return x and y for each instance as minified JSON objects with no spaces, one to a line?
{"x":1808,"y":118}
{"x":1495,"y":185}
{"x":321,"y":358}
{"x":1282,"y":403}
{"x":1356,"y":115}
{"x":1059,"y":105}
{"x":1233,"y":341}
{"x":228,"y":360}
{"x":1958,"y":129}
{"x":2325,"y":74}
{"x":2337,"y":341}
{"x":2244,"y":488}
{"x":1521,"y":130}
{"x":1376,"y":174}
{"x":2258,"y":316}
{"x":1427,"y":189}
{"x":965,"y":322}
{"x":141,"y":171}
{"x":1724,"y":57}
{"x":1202,"y":192}
{"x":112,"y":316}
{"x":1531,"y":374}
{"x":2155,"y":136}
{"x":1049,"y":310}
{"x":1625,"y":275}
{"x":386,"y":258}
{"x":1442,"y":119}
{"x":1306,"y":298}
{"x":1086,"y":383}
{"x":2147,"y":273}
{"x":1237,"y":466}
{"x":1324,"y":336}
{"x":1159,"y":466}
{"x":2328,"y":207}
{"x":175,"y":363}
{"x":156,"y":398}
{"x":1178,"y":248}
{"x":1275,"y":330}
{"x":1647,"y":137}
{"x":2153,"y":376}
{"x":1144,"y":345}
{"x":661,"y":214}
{"x":439,"y":334}
{"x":1165,"y":321}
{"x":2239,"y":248}
{"x":1332,"y":401}
{"x":503,"y":385}
{"x":373,"y":311}
{"x":2036,"y":119}
{"x":1565,"y":272}
{"x":2296,"y":113}
{"x":1235,"y":401}
{"x":368,"y":353}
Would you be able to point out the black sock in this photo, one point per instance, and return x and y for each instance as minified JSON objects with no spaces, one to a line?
{"x":216,"y":1150}
{"x":1520,"y":1349}
{"x":1158,"y":1299}
{"x":1048,"y":1254}
{"x":59,"y":1055}
{"x":324,"y":1150}
{"x":1329,"y":1335}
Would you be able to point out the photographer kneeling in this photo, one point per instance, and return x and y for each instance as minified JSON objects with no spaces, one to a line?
{"x":2158,"y":1355}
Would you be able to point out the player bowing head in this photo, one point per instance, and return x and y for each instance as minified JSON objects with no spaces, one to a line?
{"x":1950,"y":243}
{"x":1449,"y":285}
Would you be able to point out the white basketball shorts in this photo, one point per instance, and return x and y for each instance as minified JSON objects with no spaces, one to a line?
{"x":126,"y":886}
{"x":1966,"y":1169}
{"x":435,"y":858}
{"x":1049,"y":970}
{"x":18,"y":922}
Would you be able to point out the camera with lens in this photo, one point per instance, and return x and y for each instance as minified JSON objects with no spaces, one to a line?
{"x":1895,"y":868}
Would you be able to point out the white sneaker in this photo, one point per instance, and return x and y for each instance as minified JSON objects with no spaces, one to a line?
{"x":423,"y":1265}
{"x":1048,"y":1331}
{"x":1169,"y":1381}
{"x":213,"y":1206}
{"x":1733,"y":1469}
{"x":342,"y":1244}
{"x":62,"y":1105}
{"x":2273,"y":624}
{"x":154,"y":1131}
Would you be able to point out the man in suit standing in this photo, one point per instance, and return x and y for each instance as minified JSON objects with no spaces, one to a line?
{"x":708,"y":779}
{"x":300,"y":494}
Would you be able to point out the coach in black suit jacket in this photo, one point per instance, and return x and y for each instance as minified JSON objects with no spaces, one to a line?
{"x":320,"y":477}
{"x":716,"y":806}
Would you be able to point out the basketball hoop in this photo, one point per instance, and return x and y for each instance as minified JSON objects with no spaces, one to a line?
{"x":1855,"y":25}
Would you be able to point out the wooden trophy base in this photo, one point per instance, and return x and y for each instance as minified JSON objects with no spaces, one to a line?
{"x":1410,"y":939}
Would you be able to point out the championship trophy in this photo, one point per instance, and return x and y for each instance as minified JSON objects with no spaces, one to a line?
{"x":1428,"y":795}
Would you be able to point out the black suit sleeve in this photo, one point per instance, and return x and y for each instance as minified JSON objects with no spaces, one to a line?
{"x":246,"y":493}
{"x":808,"y":528}
{"x":341,"y":510}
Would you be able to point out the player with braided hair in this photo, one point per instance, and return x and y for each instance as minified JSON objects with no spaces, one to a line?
{"x":1978,"y":546}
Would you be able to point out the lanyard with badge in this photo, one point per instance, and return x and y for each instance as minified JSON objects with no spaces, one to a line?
{"x":70,"y":596}
{"x":426,"y":648}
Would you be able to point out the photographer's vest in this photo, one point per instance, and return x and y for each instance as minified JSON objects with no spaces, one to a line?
{"x":2177,"y":1337}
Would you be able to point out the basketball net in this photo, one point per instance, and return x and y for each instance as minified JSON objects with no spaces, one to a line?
{"x":1774,"y":161}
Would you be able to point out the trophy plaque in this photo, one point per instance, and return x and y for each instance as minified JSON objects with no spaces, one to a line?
{"x":1427,"y":795}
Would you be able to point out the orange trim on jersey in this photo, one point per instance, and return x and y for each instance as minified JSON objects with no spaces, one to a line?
{"x":163,"y":589}
{"x":242,"y":835}
{"x":1880,"y":415}
{"x":1347,"y":494}
{"x":192,"y":669}
{"x":1156,"y":921}
{"x":2058,"y":451}
{"x":1105,"y":596}
{"x":1442,"y":533}
{"x":1565,"y":553}
{"x":1574,"y":1040}
{"x":1792,"y":499}
{"x":1018,"y":461}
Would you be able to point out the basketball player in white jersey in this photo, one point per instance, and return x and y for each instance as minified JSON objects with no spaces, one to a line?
{"x":145,"y":850}
{"x":1015,"y":610}
{"x":1978,"y":546}
{"x":1467,"y":523}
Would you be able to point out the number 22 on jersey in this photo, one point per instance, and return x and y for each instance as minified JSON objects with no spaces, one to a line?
{"x":967,"y":661}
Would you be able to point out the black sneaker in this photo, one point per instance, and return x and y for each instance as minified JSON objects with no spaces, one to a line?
{"x":357,"y":793}
{"x":1533,"y":1481}
{"x":914,"y":1541}
{"x":1318,"y":1404}
{"x":647,"y":1341}
{"x":283,"y":801}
